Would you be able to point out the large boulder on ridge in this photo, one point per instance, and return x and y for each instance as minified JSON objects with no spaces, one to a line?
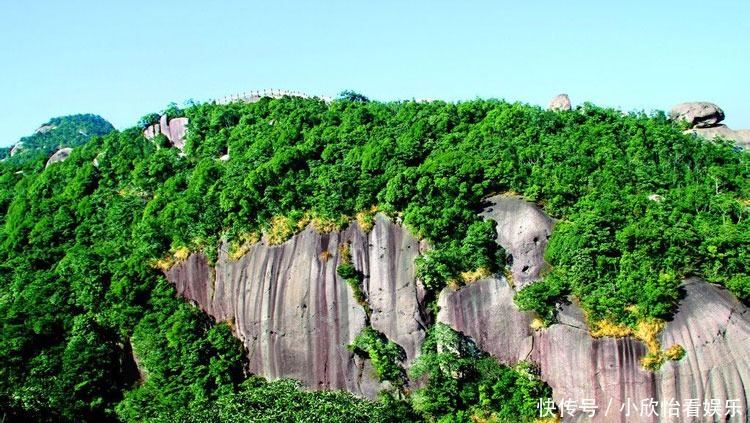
{"x":559,"y":102}
{"x":697,"y":114}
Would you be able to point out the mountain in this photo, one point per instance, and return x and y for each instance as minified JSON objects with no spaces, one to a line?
{"x":435,"y":261}
{"x":60,"y":132}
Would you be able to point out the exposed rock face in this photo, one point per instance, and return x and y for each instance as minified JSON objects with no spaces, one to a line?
{"x":394,"y":294}
{"x":579,"y":367}
{"x":740,"y":136}
{"x":712,"y":326}
{"x":523,"y":231}
{"x":45,"y":128}
{"x":484,"y":311}
{"x":697,"y":114}
{"x":17,"y":148}
{"x":558,"y":103}
{"x":151,"y":131}
{"x":296,"y":317}
{"x":95,"y":162}
{"x":60,"y":156}
{"x":173,"y":129}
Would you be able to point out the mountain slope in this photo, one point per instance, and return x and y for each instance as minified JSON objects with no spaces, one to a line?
{"x":255,"y":222}
{"x":64,"y":131}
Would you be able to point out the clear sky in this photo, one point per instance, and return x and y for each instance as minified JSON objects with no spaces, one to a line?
{"x":123,"y":60}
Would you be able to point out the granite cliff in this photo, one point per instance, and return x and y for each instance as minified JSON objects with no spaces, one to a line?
{"x":296,"y":317}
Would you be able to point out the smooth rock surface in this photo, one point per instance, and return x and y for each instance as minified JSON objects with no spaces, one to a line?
{"x":697,"y":114}
{"x":296,"y":316}
{"x":712,"y":326}
{"x":151,"y":131}
{"x":714,"y":329}
{"x":740,"y":136}
{"x":174,"y":129}
{"x":177,"y":129}
{"x":45,"y":128}
{"x":17,"y":148}
{"x":523,"y":230}
{"x":60,"y":156}
{"x":560,"y":102}
{"x":396,"y":297}
{"x":485,"y":312}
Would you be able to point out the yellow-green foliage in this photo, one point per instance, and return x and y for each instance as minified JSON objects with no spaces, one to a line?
{"x":177,"y":255}
{"x":324,"y":225}
{"x":675,"y":353}
{"x":473,"y":276}
{"x":366,"y":218}
{"x":345,"y":251}
{"x":647,"y":330}
{"x":537,"y":323}
{"x":240,"y":246}
{"x":281,"y":229}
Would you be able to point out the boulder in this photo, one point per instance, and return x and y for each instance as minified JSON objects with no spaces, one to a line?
{"x":560,"y":102}
{"x":60,"y":156}
{"x":177,"y":130}
{"x":45,"y":128}
{"x":17,"y":148}
{"x":95,"y":162}
{"x":151,"y":131}
{"x":173,"y":129}
{"x":697,"y":114}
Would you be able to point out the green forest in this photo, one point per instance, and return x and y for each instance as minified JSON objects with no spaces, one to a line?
{"x":92,"y":330}
{"x":65,"y":131}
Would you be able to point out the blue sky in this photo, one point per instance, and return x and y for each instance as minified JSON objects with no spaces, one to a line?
{"x":128,"y":59}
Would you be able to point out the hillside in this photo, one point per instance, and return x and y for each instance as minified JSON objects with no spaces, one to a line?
{"x":60,"y":132}
{"x":438,"y":260}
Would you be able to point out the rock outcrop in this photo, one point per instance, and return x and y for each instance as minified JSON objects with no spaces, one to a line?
{"x":173,"y":129}
{"x":697,"y":114}
{"x":739,"y":136}
{"x":560,"y":102}
{"x":704,"y":120}
{"x":485,"y":312}
{"x":60,"y":156}
{"x":712,"y":326}
{"x":17,"y":148}
{"x":523,"y":230}
{"x":296,"y":318}
{"x":45,"y":128}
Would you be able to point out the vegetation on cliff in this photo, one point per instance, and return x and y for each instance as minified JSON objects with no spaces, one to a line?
{"x":91,"y":329}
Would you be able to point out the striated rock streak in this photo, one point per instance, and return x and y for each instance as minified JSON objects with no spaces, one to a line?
{"x":296,"y":317}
